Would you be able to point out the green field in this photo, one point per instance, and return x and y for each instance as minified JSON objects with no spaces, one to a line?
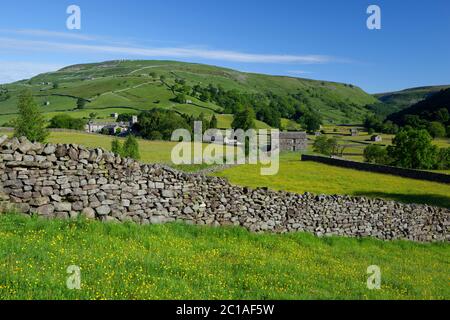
{"x":178,"y":261}
{"x":303,"y":176}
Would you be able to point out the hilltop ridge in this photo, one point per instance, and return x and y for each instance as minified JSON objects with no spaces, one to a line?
{"x":136,"y":85}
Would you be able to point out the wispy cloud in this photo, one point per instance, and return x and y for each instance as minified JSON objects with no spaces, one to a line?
{"x":11,"y":71}
{"x":35,"y":40}
{"x":49,"y":34}
{"x":129,"y":50}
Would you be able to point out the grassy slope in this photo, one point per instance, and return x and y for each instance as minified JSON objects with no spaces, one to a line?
{"x":127,"y":83}
{"x":302,"y":176}
{"x":189,"y":262}
{"x":425,"y":107}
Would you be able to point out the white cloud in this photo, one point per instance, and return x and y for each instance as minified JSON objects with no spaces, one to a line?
{"x":11,"y":71}
{"x":166,"y":52}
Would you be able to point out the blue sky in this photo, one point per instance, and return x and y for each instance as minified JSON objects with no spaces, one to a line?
{"x":316,"y":39}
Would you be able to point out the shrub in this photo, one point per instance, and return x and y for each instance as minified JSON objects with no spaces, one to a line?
{"x":116,"y":147}
{"x":131,"y":148}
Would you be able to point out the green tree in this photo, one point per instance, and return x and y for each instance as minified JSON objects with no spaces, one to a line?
{"x":205,"y":96}
{"x":93,"y":115}
{"x":436,"y":129}
{"x":81,"y":103}
{"x":213,"y":122}
{"x":373,"y":122}
{"x":205,"y":123}
{"x":376,"y":154}
{"x":414,"y":121}
{"x":180,"y":98}
{"x":116,"y":147}
{"x":443,"y":162}
{"x":65,"y":121}
{"x":442,"y":115}
{"x":413,"y":149}
{"x":244,"y":119}
{"x":311,"y":121}
{"x":322,"y":145}
{"x":30,"y":122}
{"x":328,"y":146}
{"x":389,"y":127}
{"x":131,"y":148}
{"x":157,"y":124}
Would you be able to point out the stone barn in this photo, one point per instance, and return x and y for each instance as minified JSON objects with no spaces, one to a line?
{"x":293,"y":141}
{"x":376,"y":138}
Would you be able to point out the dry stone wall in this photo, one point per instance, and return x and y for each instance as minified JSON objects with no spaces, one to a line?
{"x":66,"y":181}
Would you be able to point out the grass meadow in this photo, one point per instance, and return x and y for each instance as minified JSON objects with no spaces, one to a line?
{"x":178,"y":261}
{"x":304,"y":176}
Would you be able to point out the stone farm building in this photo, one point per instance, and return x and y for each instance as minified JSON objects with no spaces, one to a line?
{"x":288,"y":141}
{"x":293,"y":141}
{"x":96,"y":127}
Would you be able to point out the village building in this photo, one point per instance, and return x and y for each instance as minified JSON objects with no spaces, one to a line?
{"x":112,"y":127}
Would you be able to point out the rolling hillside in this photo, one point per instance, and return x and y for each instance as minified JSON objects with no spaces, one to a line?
{"x":425,"y":109}
{"x":396,"y":101}
{"x":133,"y":86}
